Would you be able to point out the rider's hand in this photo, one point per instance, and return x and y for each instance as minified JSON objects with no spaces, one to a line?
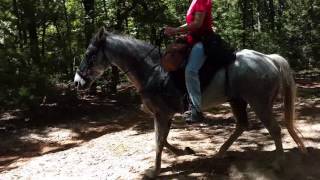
{"x":170,"y":31}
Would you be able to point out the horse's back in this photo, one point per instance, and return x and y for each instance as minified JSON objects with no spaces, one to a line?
{"x":250,"y":62}
{"x":253,"y":74}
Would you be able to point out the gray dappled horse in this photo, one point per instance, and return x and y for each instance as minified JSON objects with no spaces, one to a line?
{"x":254,"y":78}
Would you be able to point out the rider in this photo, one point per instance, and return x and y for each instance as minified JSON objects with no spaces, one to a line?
{"x":198,"y":24}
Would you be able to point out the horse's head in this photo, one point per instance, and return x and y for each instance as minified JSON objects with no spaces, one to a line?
{"x":94,"y":62}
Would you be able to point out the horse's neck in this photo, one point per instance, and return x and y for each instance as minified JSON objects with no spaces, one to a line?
{"x":135,"y":65}
{"x":137,"y":80}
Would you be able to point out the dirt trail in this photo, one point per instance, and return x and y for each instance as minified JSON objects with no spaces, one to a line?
{"x":112,"y":140}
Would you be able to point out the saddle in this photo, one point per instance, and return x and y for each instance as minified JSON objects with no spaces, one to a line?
{"x":219,"y":55}
{"x":175,"y":55}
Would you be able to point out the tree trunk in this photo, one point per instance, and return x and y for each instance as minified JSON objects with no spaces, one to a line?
{"x":18,"y":23}
{"x":114,"y":79}
{"x":244,"y":8}
{"x":271,"y":14}
{"x":282,"y":5}
{"x":89,"y":26}
{"x":44,"y":27}
{"x":69,"y":55}
{"x":30,"y":24}
{"x":105,"y":8}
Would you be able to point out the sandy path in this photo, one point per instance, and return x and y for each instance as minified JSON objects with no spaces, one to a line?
{"x":126,"y":153}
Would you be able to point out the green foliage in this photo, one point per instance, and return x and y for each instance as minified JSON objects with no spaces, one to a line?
{"x":290,"y":28}
{"x":42,"y":41}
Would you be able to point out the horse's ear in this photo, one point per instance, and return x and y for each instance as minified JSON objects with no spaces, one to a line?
{"x":102,"y":34}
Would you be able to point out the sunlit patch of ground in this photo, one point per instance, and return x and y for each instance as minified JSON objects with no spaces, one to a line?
{"x":128,"y":153}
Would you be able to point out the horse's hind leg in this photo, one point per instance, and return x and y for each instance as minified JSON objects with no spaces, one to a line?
{"x":264,"y":113}
{"x":239,"y":107}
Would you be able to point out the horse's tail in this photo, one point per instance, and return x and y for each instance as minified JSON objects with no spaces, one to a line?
{"x":289,"y":93}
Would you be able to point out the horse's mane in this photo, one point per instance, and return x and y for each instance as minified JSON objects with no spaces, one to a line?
{"x":127,"y":45}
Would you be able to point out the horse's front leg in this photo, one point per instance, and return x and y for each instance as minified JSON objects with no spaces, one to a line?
{"x":161,"y":126}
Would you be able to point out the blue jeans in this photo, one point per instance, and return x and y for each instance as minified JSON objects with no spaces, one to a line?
{"x":195,"y":62}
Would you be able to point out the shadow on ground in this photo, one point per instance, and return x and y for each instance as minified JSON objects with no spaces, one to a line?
{"x":67,"y":123}
{"x":93,"y":116}
{"x":249,"y":165}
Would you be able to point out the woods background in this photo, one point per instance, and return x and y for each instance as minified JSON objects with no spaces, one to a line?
{"x":42,"y":41}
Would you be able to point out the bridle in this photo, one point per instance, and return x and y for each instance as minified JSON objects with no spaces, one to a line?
{"x":89,"y":61}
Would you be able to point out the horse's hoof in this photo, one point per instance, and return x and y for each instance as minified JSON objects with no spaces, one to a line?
{"x":150,"y":174}
{"x":189,"y":151}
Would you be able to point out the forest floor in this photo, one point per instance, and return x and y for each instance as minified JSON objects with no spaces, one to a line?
{"x":108,"y":137}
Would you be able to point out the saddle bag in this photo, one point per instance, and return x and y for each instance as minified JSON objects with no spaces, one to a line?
{"x":175,"y":55}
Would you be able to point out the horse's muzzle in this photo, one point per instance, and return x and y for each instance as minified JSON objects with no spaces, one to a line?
{"x":78,"y":81}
